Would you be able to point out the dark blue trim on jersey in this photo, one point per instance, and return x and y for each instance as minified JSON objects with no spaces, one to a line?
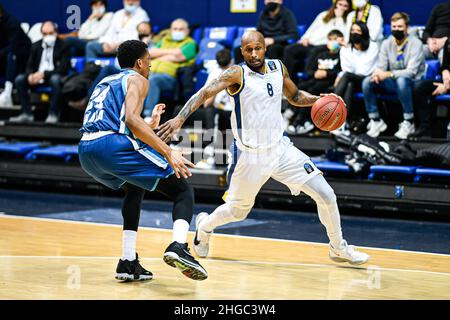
{"x":281,"y":66}
{"x":235,"y":155}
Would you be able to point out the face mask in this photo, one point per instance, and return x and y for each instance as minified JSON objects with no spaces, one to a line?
{"x":333,"y":46}
{"x":178,"y":35}
{"x":272,"y":6}
{"x":356,"y":38}
{"x":398,"y":34}
{"x":131,"y":8}
{"x":49,"y":40}
{"x":99,"y":10}
{"x":359,"y":3}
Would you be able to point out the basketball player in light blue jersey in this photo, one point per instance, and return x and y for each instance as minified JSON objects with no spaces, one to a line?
{"x":261,"y":150}
{"x":121,"y":151}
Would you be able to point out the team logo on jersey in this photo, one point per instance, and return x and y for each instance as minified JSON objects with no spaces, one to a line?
{"x":308,"y":168}
{"x":272,"y":66}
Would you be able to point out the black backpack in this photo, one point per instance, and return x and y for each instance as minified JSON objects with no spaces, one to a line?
{"x":76,"y":87}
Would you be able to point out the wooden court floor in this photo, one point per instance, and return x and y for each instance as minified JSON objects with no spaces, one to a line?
{"x":54,"y":259}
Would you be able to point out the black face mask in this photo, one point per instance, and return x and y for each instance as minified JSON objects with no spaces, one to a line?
{"x":143,"y":35}
{"x":398,"y":34}
{"x":356,"y":38}
{"x":271,"y":7}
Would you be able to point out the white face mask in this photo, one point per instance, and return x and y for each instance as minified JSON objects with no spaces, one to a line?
{"x":359,"y":3}
{"x":49,"y":40}
{"x":178,"y":35}
{"x":99,"y":10}
{"x":131,"y":8}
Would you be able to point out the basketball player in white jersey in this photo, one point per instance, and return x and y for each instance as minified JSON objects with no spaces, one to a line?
{"x":260,"y":150}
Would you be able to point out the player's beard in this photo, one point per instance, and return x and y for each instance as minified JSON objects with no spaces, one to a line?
{"x":255,"y":66}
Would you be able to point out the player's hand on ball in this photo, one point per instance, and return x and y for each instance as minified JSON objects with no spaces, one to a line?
{"x":169,"y":128}
{"x":335,"y":95}
{"x":179,"y":164}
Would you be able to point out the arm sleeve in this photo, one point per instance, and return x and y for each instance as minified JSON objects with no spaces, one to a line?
{"x":314,"y":27}
{"x":375,"y":23}
{"x":430,"y":26}
{"x":446,"y":58}
{"x":189,"y":50}
{"x":417,"y":59}
{"x":290,"y":25}
{"x":346,"y":63}
{"x":383,"y":63}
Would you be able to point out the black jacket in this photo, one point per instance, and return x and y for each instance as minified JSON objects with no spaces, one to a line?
{"x":61,"y":59}
{"x":12,"y":37}
{"x":438,"y":24}
{"x":281,"y":28}
{"x":324,"y":60}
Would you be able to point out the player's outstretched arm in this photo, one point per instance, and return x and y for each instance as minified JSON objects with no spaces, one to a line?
{"x":296,"y":97}
{"x":137,"y":88}
{"x":228,"y":78}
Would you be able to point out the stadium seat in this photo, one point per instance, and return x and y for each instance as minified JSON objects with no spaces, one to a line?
{"x":423,"y":173}
{"x":443,"y":98}
{"x":431,"y":70}
{"x":301,"y":29}
{"x":17,"y":148}
{"x":197,"y":35}
{"x":224,"y":35}
{"x":387,"y":30}
{"x":200,"y":79}
{"x":102,"y":61}
{"x":208,"y":49}
{"x":77,"y":63}
{"x":331,"y":166}
{"x":386,"y":172}
{"x":61,"y":152}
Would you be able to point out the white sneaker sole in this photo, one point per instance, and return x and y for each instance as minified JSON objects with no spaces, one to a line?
{"x":129,"y":277}
{"x":354,"y":263}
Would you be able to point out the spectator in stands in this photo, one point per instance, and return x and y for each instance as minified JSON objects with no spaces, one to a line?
{"x":371,"y":15}
{"x":145,"y":34}
{"x":423,"y":90}
{"x":14,"y":51}
{"x":174,"y":51}
{"x":400,"y":63}
{"x":217,"y":109}
{"x":315,"y":38}
{"x":278,"y":25}
{"x":91,"y":30}
{"x":358,"y":61}
{"x":49,"y":61}
{"x":322,"y":72}
{"x":437,"y":30}
{"x":123,"y":27}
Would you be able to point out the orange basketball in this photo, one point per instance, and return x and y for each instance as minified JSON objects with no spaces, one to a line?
{"x":329,"y":113}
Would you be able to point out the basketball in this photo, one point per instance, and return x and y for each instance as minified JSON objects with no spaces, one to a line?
{"x":329,"y":113}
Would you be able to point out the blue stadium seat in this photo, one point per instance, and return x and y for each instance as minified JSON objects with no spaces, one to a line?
{"x":422,"y":173}
{"x":156,"y":29}
{"x":102,"y":61}
{"x":197,"y":35}
{"x":42,"y":89}
{"x":443,"y":98}
{"x":18,"y":148}
{"x":387,"y":30}
{"x":77,"y":63}
{"x":386,"y":172}
{"x":201,"y":78}
{"x":432,"y":70}
{"x":331,"y":166}
{"x":301,"y":29}
{"x":208,"y":49}
{"x":224,"y":35}
{"x":61,"y":152}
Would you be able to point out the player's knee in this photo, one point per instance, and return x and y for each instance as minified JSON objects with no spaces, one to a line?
{"x":327,"y":195}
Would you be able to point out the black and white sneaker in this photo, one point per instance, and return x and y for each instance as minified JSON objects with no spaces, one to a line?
{"x":132,"y":271}
{"x":177,"y":255}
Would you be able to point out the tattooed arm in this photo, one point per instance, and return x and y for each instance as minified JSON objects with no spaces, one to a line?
{"x":295,"y":96}
{"x":229,"y":78}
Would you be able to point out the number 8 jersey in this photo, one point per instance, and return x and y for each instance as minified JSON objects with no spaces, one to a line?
{"x":256,"y":120}
{"x":106,"y":107}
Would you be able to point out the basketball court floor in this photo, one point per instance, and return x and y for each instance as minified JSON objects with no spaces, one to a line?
{"x":58,"y":246}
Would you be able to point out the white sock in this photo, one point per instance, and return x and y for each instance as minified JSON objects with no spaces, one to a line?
{"x":8,"y":88}
{"x":129,"y":245}
{"x":180,"y":231}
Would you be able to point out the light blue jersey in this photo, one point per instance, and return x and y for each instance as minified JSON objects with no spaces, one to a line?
{"x":106,"y":107}
{"x":108,"y":150}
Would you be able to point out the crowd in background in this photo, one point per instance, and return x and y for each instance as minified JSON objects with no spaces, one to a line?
{"x":343,"y":51}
